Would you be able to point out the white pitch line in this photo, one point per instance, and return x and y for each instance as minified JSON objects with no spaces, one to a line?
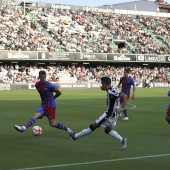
{"x":93,"y":162}
{"x":133,"y":107}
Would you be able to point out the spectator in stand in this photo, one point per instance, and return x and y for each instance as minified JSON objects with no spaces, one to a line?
{"x":72,"y":73}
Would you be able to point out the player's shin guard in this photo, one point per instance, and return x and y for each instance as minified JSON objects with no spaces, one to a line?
{"x":115,"y":135}
{"x":125,"y":112}
{"x":30,"y":122}
{"x":84,"y":132}
{"x":60,"y":126}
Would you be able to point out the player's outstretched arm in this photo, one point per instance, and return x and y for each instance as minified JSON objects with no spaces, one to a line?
{"x":133,"y":93}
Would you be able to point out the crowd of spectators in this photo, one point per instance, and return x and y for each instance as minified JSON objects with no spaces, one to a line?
{"x":81,"y":73}
{"x":41,"y":29}
{"x":19,"y":32}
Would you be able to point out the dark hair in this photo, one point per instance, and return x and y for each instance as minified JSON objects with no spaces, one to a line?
{"x":127,"y":70}
{"x":106,"y":80}
{"x":42,"y":72}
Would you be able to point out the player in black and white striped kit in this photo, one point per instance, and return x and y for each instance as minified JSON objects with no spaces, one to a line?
{"x":109,"y":118}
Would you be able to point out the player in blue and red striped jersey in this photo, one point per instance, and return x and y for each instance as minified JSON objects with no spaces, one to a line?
{"x":48,"y":104}
{"x":167,"y":116}
{"x":126,"y":82}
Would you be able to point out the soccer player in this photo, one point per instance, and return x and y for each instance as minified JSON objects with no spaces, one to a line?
{"x":109,"y":117}
{"x":126,"y":82}
{"x":167,"y":116}
{"x":48,"y":104}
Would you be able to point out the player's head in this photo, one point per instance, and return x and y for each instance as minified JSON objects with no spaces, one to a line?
{"x":42,"y":76}
{"x":126,"y":72}
{"x":105,"y":83}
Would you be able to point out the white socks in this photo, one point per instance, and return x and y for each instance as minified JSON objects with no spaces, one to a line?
{"x":115,"y":135}
{"x":87,"y":131}
{"x":83,"y":133}
{"x":69,"y":130}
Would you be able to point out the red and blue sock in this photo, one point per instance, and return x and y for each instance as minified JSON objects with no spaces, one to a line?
{"x":30,"y":122}
{"x":60,"y":126}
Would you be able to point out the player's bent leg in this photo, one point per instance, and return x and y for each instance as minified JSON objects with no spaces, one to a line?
{"x":57,"y":125}
{"x":114,"y":134}
{"x":84,"y":132}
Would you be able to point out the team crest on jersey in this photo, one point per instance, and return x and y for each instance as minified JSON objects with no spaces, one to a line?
{"x":41,"y":89}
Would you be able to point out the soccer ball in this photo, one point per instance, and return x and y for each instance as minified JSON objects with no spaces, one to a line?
{"x":36,"y":130}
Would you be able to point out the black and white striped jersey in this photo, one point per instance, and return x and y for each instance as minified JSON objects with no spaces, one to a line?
{"x":112,"y":100}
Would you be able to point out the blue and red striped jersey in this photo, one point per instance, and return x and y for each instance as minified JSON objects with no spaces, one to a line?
{"x":46,"y":93}
{"x":126,"y":82}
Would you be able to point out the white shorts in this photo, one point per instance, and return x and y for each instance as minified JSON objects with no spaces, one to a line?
{"x":107,"y":122}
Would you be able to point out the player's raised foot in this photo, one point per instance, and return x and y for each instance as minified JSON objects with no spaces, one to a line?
{"x":72,"y":134}
{"x":20,"y":128}
{"x":126,"y":118}
{"x":124,"y":144}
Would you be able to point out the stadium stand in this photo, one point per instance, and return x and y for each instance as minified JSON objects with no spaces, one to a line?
{"x":74,"y":30}
{"x":44,"y":29}
{"x":81,"y":73}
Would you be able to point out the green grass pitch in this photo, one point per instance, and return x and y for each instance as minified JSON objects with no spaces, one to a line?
{"x":147,"y":132}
